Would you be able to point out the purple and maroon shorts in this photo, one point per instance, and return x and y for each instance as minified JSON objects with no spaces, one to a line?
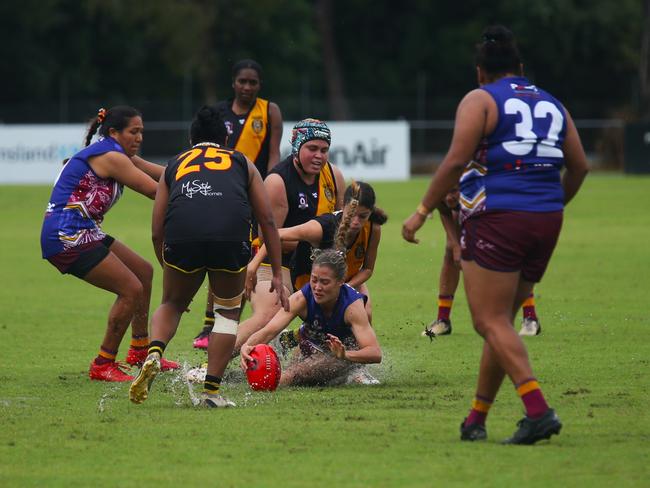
{"x":509,"y":241}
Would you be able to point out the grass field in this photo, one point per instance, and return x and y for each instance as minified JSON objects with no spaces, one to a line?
{"x":57,"y":428}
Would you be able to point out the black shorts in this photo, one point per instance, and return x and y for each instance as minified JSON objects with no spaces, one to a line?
{"x":190,"y":257}
{"x":79,"y":260}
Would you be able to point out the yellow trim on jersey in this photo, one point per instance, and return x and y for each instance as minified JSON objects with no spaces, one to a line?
{"x":355,"y":256}
{"x":251,"y":138}
{"x":326,"y":191}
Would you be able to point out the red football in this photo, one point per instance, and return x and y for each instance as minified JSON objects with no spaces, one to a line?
{"x":263,"y":371}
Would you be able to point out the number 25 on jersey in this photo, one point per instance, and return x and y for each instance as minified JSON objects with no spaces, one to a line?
{"x":212,"y":158}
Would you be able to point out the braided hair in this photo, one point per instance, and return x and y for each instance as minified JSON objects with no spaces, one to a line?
{"x":349,"y":210}
{"x":333,"y":259}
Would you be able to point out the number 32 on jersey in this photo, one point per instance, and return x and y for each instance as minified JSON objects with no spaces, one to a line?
{"x":545,"y":145}
{"x":212,"y":158}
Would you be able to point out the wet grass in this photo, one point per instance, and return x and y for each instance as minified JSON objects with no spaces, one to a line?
{"x":593,"y":360}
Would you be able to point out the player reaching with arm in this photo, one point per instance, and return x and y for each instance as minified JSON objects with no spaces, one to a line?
{"x":336,"y":335}
{"x":72,"y":239}
{"x":302,"y":186}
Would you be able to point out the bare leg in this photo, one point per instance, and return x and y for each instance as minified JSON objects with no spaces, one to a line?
{"x":490,"y":372}
{"x":491,"y":296}
{"x":144,"y":271}
{"x":317,"y":369}
{"x":178,"y":290}
{"x":449,"y":274}
{"x":220,"y":347}
{"x":113,"y":275}
{"x":209,"y":303}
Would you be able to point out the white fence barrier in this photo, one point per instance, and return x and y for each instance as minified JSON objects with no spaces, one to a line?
{"x":32,"y":154}
{"x":368,"y":151}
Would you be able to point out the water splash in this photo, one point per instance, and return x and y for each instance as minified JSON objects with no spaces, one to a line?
{"x":179,"y":383}
{"x":109,"y":394}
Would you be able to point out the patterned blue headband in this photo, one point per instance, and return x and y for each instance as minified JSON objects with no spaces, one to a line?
{"x":308,"y":130}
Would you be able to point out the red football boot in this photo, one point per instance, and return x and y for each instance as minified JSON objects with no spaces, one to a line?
{"x":111,"y":371}
{"x":136,"y":357}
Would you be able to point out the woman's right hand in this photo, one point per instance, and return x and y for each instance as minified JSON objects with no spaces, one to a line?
{"x":245,"y":356}
{"x":251,"y":282}
{"x":411,"y":226}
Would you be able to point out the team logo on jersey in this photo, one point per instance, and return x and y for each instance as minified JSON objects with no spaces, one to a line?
{"x":258,"y":125}
{"x":302,"y":201}
{"x":523,"y":88}
{"x":328,"y":193}
{"x":50,"y":207}
{"x":359,"y":252}
{"x":197,"y":187}
{"x":228,"y":125}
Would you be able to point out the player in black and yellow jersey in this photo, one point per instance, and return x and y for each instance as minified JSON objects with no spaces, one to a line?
{"x":254,"y":124}
{"x":201,"y":225}
{"x":254,"y":128}
{"x":300,"y":187}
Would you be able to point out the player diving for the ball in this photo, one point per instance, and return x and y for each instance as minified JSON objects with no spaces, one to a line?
{"x":336,"y":336}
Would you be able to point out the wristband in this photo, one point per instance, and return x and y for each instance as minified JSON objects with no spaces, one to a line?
{"x":422,"y":210}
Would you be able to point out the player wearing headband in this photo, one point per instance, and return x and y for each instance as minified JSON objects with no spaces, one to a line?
{"x":303,"y":185}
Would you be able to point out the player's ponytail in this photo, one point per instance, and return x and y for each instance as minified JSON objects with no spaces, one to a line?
{"x":117,"y":118}
{"x":349,"y":210}
{"x":94,"y":125}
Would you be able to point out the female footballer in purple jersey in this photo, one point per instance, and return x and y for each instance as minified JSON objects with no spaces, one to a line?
{"x":511,"y":140}
{"x":89,"y":184}
{"x":335,"y":337}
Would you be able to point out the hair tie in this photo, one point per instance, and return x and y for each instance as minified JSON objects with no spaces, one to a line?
{"x":101,"y":115}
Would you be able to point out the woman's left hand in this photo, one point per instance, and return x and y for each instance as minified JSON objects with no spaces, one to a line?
{"x":336,"y":346}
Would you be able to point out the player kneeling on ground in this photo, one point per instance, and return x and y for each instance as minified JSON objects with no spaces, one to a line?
{"x":201,"y":224}
{"x":336,"y":335}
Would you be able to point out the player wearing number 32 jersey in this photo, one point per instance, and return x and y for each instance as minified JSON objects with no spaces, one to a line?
{"x":511,"y":140}
{"x":517,"y":166}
